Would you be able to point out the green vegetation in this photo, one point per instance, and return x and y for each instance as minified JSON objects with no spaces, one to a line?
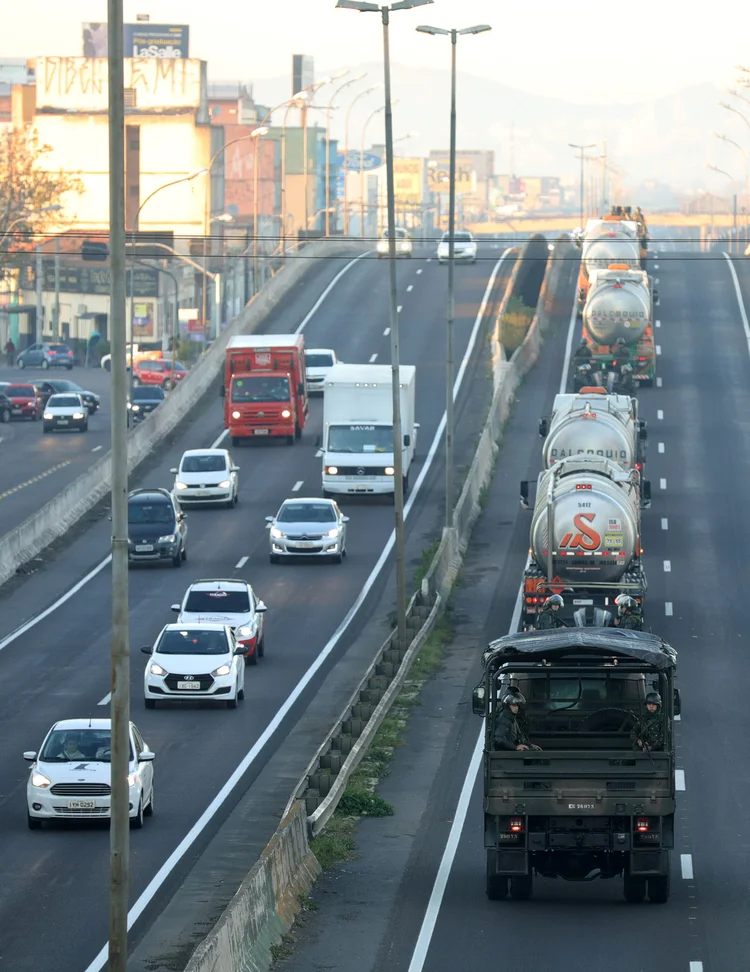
{"x":424,"y":565}
{"x":515,"y":324}
{"x":336,"y":843}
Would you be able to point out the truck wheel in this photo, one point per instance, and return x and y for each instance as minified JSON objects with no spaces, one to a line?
{"x":659,"y":888}
{"x":522,"y":887}
{"x":634,"y":889}
{"x":496,"y":885}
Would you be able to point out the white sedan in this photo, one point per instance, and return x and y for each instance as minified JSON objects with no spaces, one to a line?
{"x":308,"y":527}
{"x":464,"y":247}
{"x":65,"y":411}
{"x":206,"y":476}
{"x":71,"y":776}
{"x":193,"y":662}
{"x":318,"y":362}
{"x":403,"y":243}
{"x":227,"y":601}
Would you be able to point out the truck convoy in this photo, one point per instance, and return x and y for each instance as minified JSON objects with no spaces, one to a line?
{"x":265,"y":390}
{"x":587,"y":801}
{"x":607,"y":241}
{"x":358,"y":429}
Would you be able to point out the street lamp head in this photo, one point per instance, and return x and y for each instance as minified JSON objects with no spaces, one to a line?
{"x":299,"y":96}
{"x":50,"y":209}
{"x":335,"y":77}
{"x":200,"y":172}
{"x":360,"y":76}
{"x":259,"y":132}
{"x":424,"y":29}
{"x":408,"y":4}
{"x":362,"y":7}
{"x":478,"y":29}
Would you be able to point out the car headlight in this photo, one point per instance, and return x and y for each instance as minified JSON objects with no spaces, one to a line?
{"x":332,"y":470}
{"x":236,"y":415}
{"x":222,"y":670}
{"x":167,"y":538}
{"x":132,"y":779}
{"x":389,"y":470}
{"x":286,"y":413}
{"x":78,"y":415}
{"x":135,"y":408}
{"x":244,"y":632}
{"x":180,"y":485}
{"x":40,"y":780}
{"x":156,"y":669}
{"x":225,"y":484}
{"x":333,"y":533}
{"x":276,"y":533}
{"x":48,"y":416}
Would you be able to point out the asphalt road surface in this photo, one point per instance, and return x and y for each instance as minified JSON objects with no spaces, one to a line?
{"x":52,"y":898}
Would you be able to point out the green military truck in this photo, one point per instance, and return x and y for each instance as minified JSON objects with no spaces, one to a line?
{"x":593,"y":801}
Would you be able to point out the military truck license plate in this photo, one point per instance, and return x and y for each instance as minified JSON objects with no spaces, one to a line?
{"x":581,"y":806}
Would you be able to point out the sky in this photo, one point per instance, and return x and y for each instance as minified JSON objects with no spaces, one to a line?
{"x":543,"y":46}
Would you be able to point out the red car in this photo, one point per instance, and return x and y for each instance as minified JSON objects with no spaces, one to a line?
{"x":25,"y":402}
{"x":157,"y":373}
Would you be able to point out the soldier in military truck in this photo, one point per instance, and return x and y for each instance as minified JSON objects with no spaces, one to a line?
{"x":648,"y":733}
{"x":628,"y":613}
{"x":510,"y":725}
{"x":549,"y":616}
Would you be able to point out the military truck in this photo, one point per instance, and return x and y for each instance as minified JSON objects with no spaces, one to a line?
{"x":589,"y":803}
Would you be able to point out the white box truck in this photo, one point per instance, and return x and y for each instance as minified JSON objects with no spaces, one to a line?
{"x":358,"y":428}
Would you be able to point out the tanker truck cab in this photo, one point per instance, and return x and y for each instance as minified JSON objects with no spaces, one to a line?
{"x":358,"y":429}
{"x":590,"y":803}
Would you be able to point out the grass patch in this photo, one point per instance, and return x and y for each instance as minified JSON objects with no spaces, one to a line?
{"x":354,"y":803}
{"x":336,"y":844}
{"x":281,"y":950}
{"x":424,"y":565}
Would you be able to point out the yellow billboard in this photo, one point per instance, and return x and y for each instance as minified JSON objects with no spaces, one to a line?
{"x":408,"y":178}
{"x":438,"y":176}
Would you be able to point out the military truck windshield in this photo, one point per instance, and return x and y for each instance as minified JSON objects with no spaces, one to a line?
{"x":360,"y":438}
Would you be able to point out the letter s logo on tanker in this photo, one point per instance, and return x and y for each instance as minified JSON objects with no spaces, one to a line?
{"x":587,"y":538}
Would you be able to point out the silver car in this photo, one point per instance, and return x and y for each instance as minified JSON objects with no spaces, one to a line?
{"x":308,"y":527}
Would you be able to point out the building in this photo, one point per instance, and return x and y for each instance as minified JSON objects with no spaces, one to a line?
{"x":303,"y":191}
{"x":474,"y":171}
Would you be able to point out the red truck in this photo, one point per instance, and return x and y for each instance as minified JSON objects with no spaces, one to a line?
{"x":265,"y":390}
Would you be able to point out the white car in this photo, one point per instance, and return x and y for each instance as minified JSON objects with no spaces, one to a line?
{"x":196,"y":661}
{"x":65,"y":411}
{"x":403,"y":243}
{"x":464,"y":247}
{"x":206,"y":476}
{"x":307,"y":527}
{"x":70,"y":775}
{"x":318,"y":362}
{"x":231,"y":602}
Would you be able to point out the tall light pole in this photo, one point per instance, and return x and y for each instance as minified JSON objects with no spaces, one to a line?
{"x":398,"y":439}
{"x":362,"y":168}
{"x":119,"y":831}
{"x":731,"y":141}
{"x":294,"y":102}
{"x":346,"y":151}
{"x":328,"y":146}
{"x":736,"y":111}
{"x":582,"y":149}
{"x":256,"y":135}
{"x":313,"y":88}
{"x":449,"y":429}
{"x":715,"y":168}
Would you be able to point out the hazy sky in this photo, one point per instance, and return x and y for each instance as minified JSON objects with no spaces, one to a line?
{"x":569,"y":48}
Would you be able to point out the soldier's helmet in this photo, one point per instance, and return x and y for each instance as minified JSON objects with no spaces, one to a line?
{"x":620,"y":341}
{"x":653,"y":698}
{"x":514,"y":697}
{"x":624,"y":603}
{"x":554,"y":601}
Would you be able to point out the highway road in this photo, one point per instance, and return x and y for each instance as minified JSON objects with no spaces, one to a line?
{"x":52,"y":900}
{"x":414,"y":901}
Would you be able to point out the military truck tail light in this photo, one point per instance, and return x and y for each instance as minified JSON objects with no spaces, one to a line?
{"x":516,"y":825}
{"x":641,"y":825}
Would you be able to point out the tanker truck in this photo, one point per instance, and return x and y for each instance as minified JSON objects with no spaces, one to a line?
{"x":626,"y":213}
{"x":606,"y":242}
{"x":585,"y":537}
{"x":620,"y":305}
{"x":596,"y":424}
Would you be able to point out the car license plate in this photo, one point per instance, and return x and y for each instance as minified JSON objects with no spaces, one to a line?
{"x":305,"y":544}
{"x":16,"y":411}
{"x":144,"y":547}
{"x":261,"y":432}
{"x":189,"y":685}
{"x":62,"y":421}
{"x":578,"y":601}
{"x":81,"y":804}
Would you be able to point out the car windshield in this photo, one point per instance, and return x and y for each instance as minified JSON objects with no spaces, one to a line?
{"x":150,"y":513}
{"x":142,"y":393}
{"x":192,"y":641}
{"x":360,"y":438}
{"x":63,"y":401}
{"x":20,"y":391}
{"x":198,"y":464}
{"x":66,"y":386}
{"x":218,"y":602}
{"x":306,"y":513}
{"x":73,"y":745}
{"x":400,"y":234}
{"x":459,"y":237}
{"x":319,"y":360}
{"x":177,"y":366}
{"x":260,"y":389}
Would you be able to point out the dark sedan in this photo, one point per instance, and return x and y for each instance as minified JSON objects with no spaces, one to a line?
{"x":144,"y":399}
{"x":59,"y":386}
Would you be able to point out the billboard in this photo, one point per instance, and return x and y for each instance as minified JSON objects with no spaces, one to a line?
{"x":302,"y":72}
{"x":139,"y":40}
{"x":356,"y":161}
{"x":438,"y":176}
{"x":408,"y":179}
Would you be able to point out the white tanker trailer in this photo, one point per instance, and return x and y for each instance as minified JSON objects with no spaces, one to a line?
{"x":585,"y":537}
{"x":606,"y":242}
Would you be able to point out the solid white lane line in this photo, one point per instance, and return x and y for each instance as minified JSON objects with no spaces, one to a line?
{"x":327,"y":291}
{"x":429,"y":260}
{"x":410,"y":288}
{"x":386,"y":332}
{"x":419,"y":271}
{"x":659,"y":414}
{"x":740,"y":301}
{"x":373,"y":357}
{"x":658,"y":323}
{"x":201,"y":823}
{"x":686,"y":866}
{"x":656,"y":266}
{"x":696,"y":967}
{"x":679,"y":779}
{"x":297,"y":485}
{"x":569,"y":345}
{"x":678,"y":718}
{"x":241,"y":563}
{"x":398,"y":309}
{"x":664,"y":523}
{"x":667,"y":566}
{"x":658,"y":349}
{"x":668,"y":609}
{"x":319,"y":453}
{"x":662,"y":484}
{"x":106,"y":699}
{"x":220,"y":439}
{"x":658,"y":382}
{"x":656,"y":280}
{"x":95,"y":449}
{"x":661,"y":447}
{"x":1,"y":438}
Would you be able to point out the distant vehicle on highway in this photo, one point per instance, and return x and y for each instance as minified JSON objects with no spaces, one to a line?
{"x":138,"y":354}
{"x":157,"y":528}
{"x":231,"y":602}
{"x":308,"y":527}
{"x":46,"y":356}
{"x":464,"y":247}
{"x":318,"y":362}
{"x":65,"y":411}
{"x":24,"y":400}
{"x":191,"y":662}
{"x":6,"y":407}
{"x":143,"y":399}
{"x":56,"y":386}
{"x":207,"y":476}
{"x":157,"y":373}
{"x":59,"y":790}
{"x":403,"y":243}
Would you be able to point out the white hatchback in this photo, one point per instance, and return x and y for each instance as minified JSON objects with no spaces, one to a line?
{"x":464,"y":248}
{"x":71,"y":776}
{"x":194,"y":662}
{"x":65,"y":411}
{"x":318,"y":362}
{"x":206,"y":476}
{"x":227,"y":601}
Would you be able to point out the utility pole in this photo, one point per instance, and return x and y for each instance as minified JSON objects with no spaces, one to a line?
{"x":56,"y":310}
{"x":582,"y":149}
{"x":38,"y":324}
{"x":119,"y":834}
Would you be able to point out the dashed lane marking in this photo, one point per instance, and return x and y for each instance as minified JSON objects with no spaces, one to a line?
{"x":658,"y":349}
{"x":656,"y":266}
{"x":696,"y":967}
{"x":398,"y":309}
{"x":664,"y":523}
{"x":668,"y":609}
{"x":661,"y":447}
{"x":386,"y":332}
{"x":419,"y":271}
{"x":662,"y":484}
{"x":297,"y":486}
{"x":679,"y":779}
{"x":658,"y":382}
{"x":686,"y":866}
{"x":96,"y":448}
{"x":35,"y":479}
{"x":410,"y":288}
{"x":667,"y":566}
{"x":678,"y":718}
{"x":373,"y":357}
{"x":656,"y":280}
{"x":319,"y":453}
{"x":659,"y":414}
{"x":106,"y":699}
{"x":658,"y":323}
{"x":241,"y":563}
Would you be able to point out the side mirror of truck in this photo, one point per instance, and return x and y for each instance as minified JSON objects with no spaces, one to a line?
{"x":407,"y":441}
{"x":301,"y":389}
{"x":677,"y":702}
{"x":478,"y":700}
{"x":524,"y":494}
{"x":642,"y":430}
{"x":543,"y":427}
{"x":646,"y":494}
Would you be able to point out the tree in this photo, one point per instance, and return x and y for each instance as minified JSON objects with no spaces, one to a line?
{"x":26,"y":185}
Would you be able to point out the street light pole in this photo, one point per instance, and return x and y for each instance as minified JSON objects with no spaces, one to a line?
{"x":362,"y":170}
{"x":449,"y":369}
{"x":398,"y":439}
{"x":328,"y":146}
{"x":582,"y":149}
{"x":256,"y":135}
{"x":747,"y":172}
{"x":731,"y":141}
{"x":346,"y":152}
